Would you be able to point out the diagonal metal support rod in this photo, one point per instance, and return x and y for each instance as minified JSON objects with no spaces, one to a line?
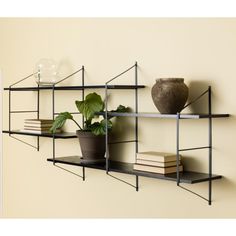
{"x":22,"y":80}
{"x":190,"y":149}
{"x":120,"y":74}
{"x":123,"y":181}
{"x":209,"y":147}
{"x":197,"y":98}
{"x":24,"y":142}
{"x":71,"y":172}
{"x":194,"y":193}
{"x":67,"y":77}
{"x":106,"y":110}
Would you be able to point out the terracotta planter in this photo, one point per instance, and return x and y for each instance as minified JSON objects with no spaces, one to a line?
{"x":93,"y":147}
{"x":170,"y":95}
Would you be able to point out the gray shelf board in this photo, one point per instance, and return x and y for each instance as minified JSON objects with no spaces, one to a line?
{"x":127,"y":168}
{"x":64,"y":135}
{"x":158,"y":115}
{"x":74,"y":87}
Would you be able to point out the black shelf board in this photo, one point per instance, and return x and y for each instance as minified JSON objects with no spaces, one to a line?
{"x":64,"y":135}
{"x":169,"y":116}
{"x":127,"y":168}
{"x":75,"y":87}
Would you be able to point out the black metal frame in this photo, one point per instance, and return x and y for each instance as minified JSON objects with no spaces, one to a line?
{"x":136,"y":115}
{"x":38,"y":109}
{"x":135,"y":67}
{"x":209,"y":147}
{"x":15,"y":112}
{"x":55,"y":113}
{"x":178,"y":150}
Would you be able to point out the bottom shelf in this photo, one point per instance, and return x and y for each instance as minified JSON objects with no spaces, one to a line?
{"x":127,"y":168}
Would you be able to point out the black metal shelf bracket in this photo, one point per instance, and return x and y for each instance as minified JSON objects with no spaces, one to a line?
{"x":135,"y":67}
{"x":17,"y":112}
{"x":71,"y":172}
{"x":56,"y":113}
{"x":136,"y":186}
{"x":209,"y":147}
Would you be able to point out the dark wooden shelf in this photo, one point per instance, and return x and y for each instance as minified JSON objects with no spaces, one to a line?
{"x":169,"y":116}
{"x":127,"y":168}
{"x":75,"y":87}
{"x":64,"y":135}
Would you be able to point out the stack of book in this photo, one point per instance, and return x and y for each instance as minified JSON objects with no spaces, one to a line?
{"x":38,"y":126}
{"x":157,"y":162}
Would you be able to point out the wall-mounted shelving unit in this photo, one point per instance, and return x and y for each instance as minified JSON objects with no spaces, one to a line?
{"x":189,"y":177}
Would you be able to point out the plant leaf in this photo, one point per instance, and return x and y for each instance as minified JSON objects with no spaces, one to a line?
{"x":99,"y":128}
{"x":120,"y":109}
{"x":93,"y":103}
{"x":60,"y":121}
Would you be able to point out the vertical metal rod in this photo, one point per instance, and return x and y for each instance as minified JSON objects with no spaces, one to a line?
{"x":136,"y":110}
{"x":38,"y":97}
{"x":136,"y":119}
{"x":137,"y":187}
{"x":9,"y":115}
{"x":83,"y":173}
{"x":210,"y":145}
{"x":53,"y":114}
{"x":177,"y":147}
{"x":83,"y":93}
{"x":82,"y":115}
{"x":106,"y":137}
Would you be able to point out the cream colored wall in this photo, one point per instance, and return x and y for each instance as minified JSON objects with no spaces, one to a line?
{"x":203,"y":51}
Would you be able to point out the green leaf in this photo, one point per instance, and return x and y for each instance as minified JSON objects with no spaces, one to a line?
{"x":120,"y":109}
{"x":99,"y":128}
{"x":60,"y":121}
{"x":93,"y":103}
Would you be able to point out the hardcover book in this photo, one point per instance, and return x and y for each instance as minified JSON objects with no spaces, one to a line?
{"x":159,"y":170}
{"x":156,"y":163}
{"x":157,"y":156}
{"x":38,"y":121}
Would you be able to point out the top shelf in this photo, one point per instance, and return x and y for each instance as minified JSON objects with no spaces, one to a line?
{"x":75,"y":87}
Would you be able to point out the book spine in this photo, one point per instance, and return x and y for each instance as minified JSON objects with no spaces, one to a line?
{"x":158,"y":170}
{"x":156,"y":163}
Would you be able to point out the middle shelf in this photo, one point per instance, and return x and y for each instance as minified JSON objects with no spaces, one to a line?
{"x":189,"y":177}
{"x":63,"y":135}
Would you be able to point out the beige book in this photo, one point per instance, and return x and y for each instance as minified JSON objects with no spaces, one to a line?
{"x":157,"y":156}
{"x":37,"y":128}
{"x":157,"y":163}
{"x":29,"y":125}
{"x":38,"y":121}
{"x":39,"y":132}
{"x":158,"y":170}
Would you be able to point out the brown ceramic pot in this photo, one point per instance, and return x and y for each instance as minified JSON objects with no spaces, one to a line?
{"x":92,"y":146}
{"x":170,"y":95}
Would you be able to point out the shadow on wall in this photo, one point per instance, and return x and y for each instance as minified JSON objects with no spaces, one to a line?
{"x":196,"y":88}
{"x":226,"y":185}
{"x":123,"y":131}
{"x":191,"y":163}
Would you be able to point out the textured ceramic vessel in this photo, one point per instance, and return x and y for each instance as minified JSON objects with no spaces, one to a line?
{"x":92,"y":146}
{"x":170,"y":95}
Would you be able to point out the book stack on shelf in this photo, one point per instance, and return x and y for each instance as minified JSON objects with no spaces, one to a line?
{"x":38,"y":126}
{"x":157,"y":162}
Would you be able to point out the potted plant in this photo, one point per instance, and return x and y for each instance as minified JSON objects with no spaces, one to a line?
{"x":92,"y":135}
